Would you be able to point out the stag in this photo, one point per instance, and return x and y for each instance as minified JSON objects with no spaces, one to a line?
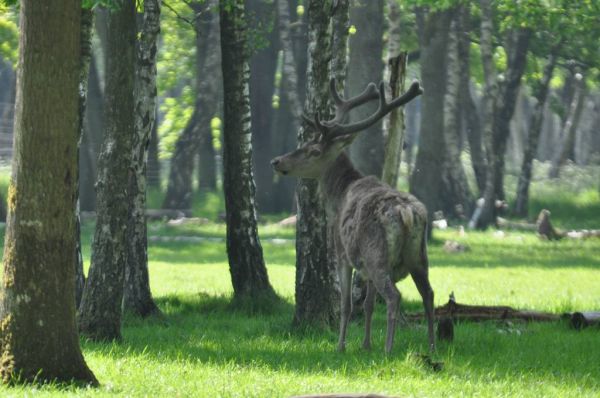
{"x":378,"y":231}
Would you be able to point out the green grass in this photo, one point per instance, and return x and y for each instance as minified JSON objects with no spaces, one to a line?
{"x":205,"y":347}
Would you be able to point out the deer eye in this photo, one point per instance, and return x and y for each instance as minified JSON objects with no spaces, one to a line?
{"x":314,"y":152}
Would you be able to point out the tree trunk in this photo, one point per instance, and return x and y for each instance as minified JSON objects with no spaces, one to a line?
{"x":498,"y":128}
{"x":263,"y":64}
{"x":469,"y":110}
{"x":87,"y":21}
{"x":487,"y":104}
{"x":100,"y":310}
{"x":153,"y":170}
{"x":179,"y":188}
{"x":396,"y":128}
{"x":137,"y":297}
{"x":315,"y":292}
{"x":426,"y":181}
{"x":246,"y":263}
{"x":458,"y":198}
{"x":569,"y":129}
{"x":535,"y":128}
{"x":210,"y":100}
{"x":38,"y":335}
{"x":365,"y":65}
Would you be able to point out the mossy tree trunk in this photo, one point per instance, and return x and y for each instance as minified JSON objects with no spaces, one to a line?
{"x":246,"y":263}
{"x":315,"y":274}
{"x":100,"y":310}
{"x":137,"y":297}
{"x":38,"y":335}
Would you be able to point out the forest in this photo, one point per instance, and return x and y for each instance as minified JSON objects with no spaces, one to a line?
{"x":300,"y":198}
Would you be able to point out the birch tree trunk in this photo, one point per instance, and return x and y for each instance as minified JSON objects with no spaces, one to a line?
{"x":87,"y":21}
{"x":365,"y":65}
{"x":246,"y":263}
{"x":137,"y":297}
{"x":100,"y":310}
{"x":396,"y":128}
{"x":315,"y":291}
{"x":38,"y":337}
{"x":535,"y":129}
{"x":567,"y":142}
{"x":458,"y":198}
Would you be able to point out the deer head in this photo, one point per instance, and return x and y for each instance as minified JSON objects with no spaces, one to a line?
{"x":333,"y":136}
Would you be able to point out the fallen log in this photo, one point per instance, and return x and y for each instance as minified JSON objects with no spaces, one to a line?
{"x":580,"y":320}
{"x":464,"y":312}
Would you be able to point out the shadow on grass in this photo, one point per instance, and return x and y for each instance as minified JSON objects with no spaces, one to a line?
{"x":210,"y":330}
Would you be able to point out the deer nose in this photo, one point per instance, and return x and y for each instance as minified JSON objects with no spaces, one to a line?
{"x":275,"y":162}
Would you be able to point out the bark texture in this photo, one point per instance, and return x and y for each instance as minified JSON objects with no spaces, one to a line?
{"x":315,"y":291}
{"x":535,"y":129}
{"x":396,"y":128}
{"x":100,"y":310}
{"x":426,"y":179}
{"x":38,"y":335}
{"x":458,"y":198}
{"x":137,"y":297}
{"x":365,"y":65}
{"x":246,"y":263}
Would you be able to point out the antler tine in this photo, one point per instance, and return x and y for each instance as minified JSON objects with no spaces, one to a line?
{"x":342,"y":106}
{"x":336,"y":130}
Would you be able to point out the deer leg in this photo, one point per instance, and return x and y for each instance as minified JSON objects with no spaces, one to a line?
{"x":391,"y":295}
{"x":368,"y":307}
{"x":421,"y":279}
{"x":345,"y":275}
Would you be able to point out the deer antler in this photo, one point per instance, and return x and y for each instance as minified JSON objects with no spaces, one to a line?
{"x":333,"y":128}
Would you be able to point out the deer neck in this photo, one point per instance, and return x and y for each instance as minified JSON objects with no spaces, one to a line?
{"x":335,"y":182}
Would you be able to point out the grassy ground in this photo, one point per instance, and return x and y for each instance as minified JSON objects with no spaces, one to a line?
{"x":203,"y":347}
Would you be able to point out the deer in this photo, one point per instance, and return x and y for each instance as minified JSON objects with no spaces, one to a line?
{"x":377,"y":231}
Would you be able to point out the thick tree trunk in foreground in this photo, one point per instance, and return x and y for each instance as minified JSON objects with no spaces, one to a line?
{"x":567,"y":142}
{"x":246,"y":263}
{"x":38,"y":335}
{"x":535,"y":129}
{"x":137,"y":297}
{"x":365,"y":65}
{"x":100,"y":311}
{"x":458,"y":198}
{"x":315,"y":292}
{"x":87,"y":20}
{"x":426,"y":179}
